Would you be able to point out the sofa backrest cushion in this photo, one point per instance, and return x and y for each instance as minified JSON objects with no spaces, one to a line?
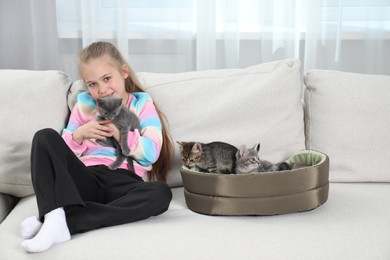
{"x":348,"y":118}
{"x":29,"y":101}
{"x":261,"y":103}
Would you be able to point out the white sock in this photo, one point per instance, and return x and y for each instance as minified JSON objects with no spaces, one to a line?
{"x":54,"y":230}
{"x":30,"y":227}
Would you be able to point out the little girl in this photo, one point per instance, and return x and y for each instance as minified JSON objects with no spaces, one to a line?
{"x":74,"y":188}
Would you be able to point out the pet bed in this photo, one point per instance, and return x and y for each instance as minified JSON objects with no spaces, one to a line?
{"x":305,"y":187}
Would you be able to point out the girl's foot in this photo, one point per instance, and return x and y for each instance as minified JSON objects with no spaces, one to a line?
{"x":54,"y":230}
{"x":30,"y":227}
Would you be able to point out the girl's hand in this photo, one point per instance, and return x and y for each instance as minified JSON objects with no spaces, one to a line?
{"x":93,"y":130}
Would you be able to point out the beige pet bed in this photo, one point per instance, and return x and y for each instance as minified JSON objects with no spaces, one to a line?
{"x":305,"y":187}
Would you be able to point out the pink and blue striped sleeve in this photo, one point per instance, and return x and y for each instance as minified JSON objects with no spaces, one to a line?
{"x":145,"y":145}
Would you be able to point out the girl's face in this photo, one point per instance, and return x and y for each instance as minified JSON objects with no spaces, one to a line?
{"x":103,"y":79}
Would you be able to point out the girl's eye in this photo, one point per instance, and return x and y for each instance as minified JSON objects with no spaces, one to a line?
{"x":106,"y":79}
{"x":91,"y":85}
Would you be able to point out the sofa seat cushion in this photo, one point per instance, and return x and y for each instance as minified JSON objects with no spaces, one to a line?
{"x":353,"y":224}
{"x":348,"y":118}
{"x":30,"y":100}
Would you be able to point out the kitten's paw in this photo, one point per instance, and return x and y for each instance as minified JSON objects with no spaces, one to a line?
{"x":284,"y":166}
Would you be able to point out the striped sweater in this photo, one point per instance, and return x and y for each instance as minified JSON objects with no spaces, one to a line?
{"x":145,"y":145}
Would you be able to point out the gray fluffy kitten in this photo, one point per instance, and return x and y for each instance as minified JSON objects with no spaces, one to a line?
{"x":110,"y":108}
{"x":247,"y":160}
{"x":217,"y":157}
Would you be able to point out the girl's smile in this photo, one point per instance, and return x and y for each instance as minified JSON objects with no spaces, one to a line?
{"x":103,"y":79}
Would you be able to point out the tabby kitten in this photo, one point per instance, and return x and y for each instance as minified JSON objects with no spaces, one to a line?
{"x":217,"y":157}
{"x":247,"y":160}
{"x":110,"y":108}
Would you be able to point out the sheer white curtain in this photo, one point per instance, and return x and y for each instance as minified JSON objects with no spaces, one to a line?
{"x":348,"y":35}
{"x":183,"y":35}
{"x":28,"y":35}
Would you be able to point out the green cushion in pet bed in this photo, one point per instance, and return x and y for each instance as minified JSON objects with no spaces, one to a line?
{"x":305,"y":187}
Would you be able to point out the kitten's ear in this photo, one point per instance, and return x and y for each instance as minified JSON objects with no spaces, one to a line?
{"x":181,"y":144}
{"x":243,"y":150}
{"x":196,"y":148}
{"x":257,"y":147}
{"x":118,"y":101}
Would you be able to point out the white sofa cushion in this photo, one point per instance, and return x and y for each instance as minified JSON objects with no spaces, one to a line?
{"x":261,"y":103}
{"x":348,"y":118}
{"x":30,"y":100}
{"x":353,"y":224}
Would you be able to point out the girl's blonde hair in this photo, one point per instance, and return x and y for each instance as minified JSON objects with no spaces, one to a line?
{"x":98,"y":49}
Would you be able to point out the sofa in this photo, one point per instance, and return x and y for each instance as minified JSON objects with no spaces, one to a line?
{"x":343,"y":115}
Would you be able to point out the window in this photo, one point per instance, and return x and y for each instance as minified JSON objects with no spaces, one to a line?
{"x":170,"y":18}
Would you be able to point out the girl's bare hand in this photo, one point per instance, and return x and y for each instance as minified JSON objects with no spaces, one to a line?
{"x":93,"y":130}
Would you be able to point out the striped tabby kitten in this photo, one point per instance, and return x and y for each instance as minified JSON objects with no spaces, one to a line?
{"x":217,"y":157}
{"x":247,"y":160}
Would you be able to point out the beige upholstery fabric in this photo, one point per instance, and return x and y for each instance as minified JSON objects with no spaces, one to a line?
{"x":352,"y":224}
{"x":348,"y":118}
{"x":29,"y":101}
{"x":239,"y":106}
{"x":7,"y":202}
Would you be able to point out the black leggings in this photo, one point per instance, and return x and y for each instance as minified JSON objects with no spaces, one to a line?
{"x":93,"y":196}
